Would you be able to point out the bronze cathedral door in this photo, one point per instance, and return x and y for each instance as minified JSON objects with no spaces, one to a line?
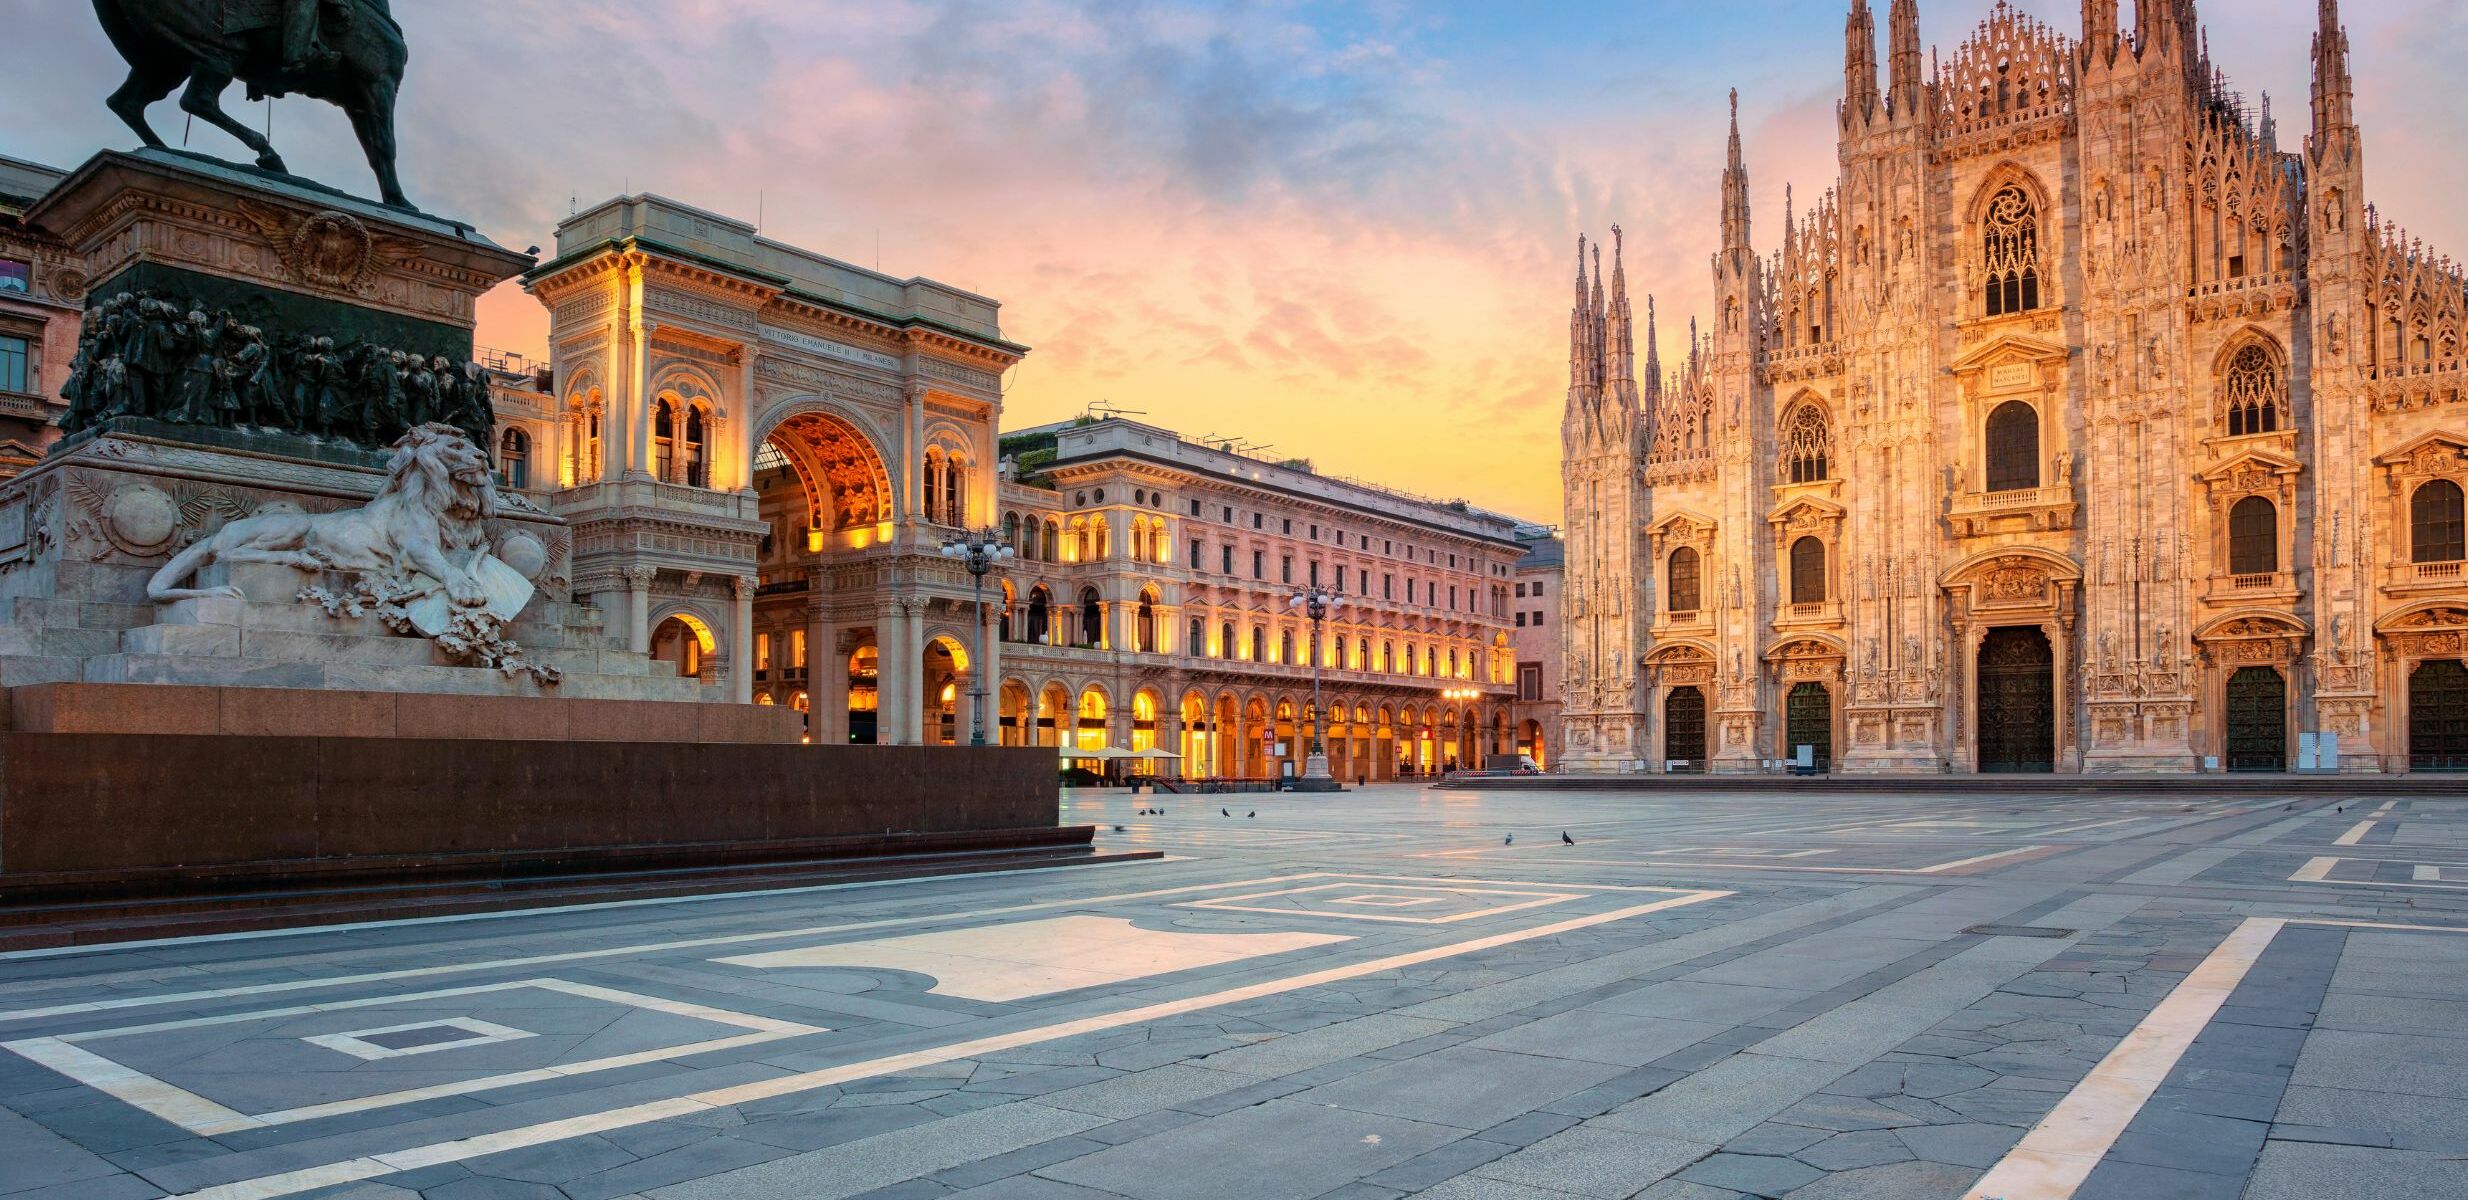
{"x":2438,"y":716}
{"x":2017,"y":701}
{"x":2257,"y":720}
{"x":1683,"y":728}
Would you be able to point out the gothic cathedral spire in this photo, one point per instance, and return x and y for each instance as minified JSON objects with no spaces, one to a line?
{"x":1903,"y":93}
{"x":1859,"y":67}
{"x":1584,"y":356}
{"x":2099,"y":32}
{"x":2335,"y":105}
{"x":1735,"y":190}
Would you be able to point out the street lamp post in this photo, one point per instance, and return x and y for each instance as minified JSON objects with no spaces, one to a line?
{"x":980,"y":551}
{"x":1315,"y":604}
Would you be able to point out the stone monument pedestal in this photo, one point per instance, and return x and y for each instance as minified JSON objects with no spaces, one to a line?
{"x":266,"y":621}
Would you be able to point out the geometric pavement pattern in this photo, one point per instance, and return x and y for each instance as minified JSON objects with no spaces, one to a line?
{"x":1385,"y":993}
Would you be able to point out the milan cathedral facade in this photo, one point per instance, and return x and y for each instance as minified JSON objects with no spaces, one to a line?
{"x":2079,"y":427}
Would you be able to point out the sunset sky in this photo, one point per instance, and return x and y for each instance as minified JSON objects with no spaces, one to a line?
{"x":1341,"y":230}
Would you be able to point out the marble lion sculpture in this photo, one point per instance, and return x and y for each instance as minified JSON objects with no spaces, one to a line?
{"x":437,"y":493}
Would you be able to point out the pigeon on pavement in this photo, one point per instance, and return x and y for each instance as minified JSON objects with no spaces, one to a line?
{"x":1566,"y":840}
{"x":1510,"y":840}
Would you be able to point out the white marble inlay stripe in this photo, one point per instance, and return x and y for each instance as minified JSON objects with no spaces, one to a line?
{"x":477,"y":1033}
{"x":292,"y":1183}
{"x":2356,"y":833}
{"x":207,"y":1119}
{"x":512,"y":914}
{"x":1039,"y":958}
{"x":536,"y":960}
{"x":2060,"y":1152}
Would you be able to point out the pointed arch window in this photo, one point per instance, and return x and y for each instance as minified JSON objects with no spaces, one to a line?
{"x":2013,"y":447}
{"x":2437,"y":522}
{"x":2011,"y":236}
{"x":1683,"y":581}
{"x":1807,"y":446}
{"x":2254,"y":392}
{"x":2253,"y":537}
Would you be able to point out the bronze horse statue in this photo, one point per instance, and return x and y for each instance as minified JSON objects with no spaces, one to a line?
{"x":209,"y":43}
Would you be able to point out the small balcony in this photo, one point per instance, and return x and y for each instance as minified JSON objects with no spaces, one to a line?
{"x":2256,"y":587}
{"x":2425,"y":576}
{"x":2037,"y":508}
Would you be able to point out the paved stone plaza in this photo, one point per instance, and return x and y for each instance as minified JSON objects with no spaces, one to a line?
{"x":1363,"y":996}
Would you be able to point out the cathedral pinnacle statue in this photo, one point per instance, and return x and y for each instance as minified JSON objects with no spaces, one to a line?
{"x":348,"y":53}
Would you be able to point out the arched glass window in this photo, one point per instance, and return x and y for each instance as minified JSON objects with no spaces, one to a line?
{"x":1683,"y":587}
{"x":1225,"y":642}
{"x":955,"y":492}
{"x":1144,"y":621}
{"x":1807,"y":445}
{"x":2436,"y":529}
{"x":1199,"y":637}
{"x":1259,"y":644}
{"x":1285,"y":646}
{"x":514,"y":458}
{"x":1092,"y":619}
{"x":2253,"y":537}
{"x":2013,"y":447}
{"x":1808,"y":571}
{"x":2254,"y":393}
{"x":1011,"y":533}
{"x":1053,"y":539}
{"x":2011,"y":233}
{"x":1040,"y":616}
{"x":698,"y":462}
{"x":663,"y":440}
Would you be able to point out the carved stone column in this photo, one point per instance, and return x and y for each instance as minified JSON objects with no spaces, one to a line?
{"x":638,"y":607}
{"x":741,"y":641}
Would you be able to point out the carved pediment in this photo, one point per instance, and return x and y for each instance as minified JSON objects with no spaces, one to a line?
{"x":1805,"y":646}
{"x":1806,"y":513}
{"x":2010,"y":349}
{"x":2436,"y":453}
{"x":2252,"y":624}
{"x":1682,"y":528}
{"x":2253,"y":470}
{"x":2430,"y":616}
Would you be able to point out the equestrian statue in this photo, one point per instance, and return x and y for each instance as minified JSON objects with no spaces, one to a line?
{"x":348,"y":53}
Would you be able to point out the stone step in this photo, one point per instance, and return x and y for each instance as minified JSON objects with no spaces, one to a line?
{"x":482,"y":681}
{"x":20,"y":670}
{"x":63,"y":641}
{"x":533,"y":628}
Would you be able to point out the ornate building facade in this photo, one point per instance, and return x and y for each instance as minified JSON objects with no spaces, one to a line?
{"x":42,"y":299}
{"x":2080,"y":427}
{"x":732,"y":423}
{"x":761,"y":450}
{"x":1149,"y":608}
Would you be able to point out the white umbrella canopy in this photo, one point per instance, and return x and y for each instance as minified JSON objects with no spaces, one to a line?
{"x":1102,"y":753}
{"x":1153,"y":752}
